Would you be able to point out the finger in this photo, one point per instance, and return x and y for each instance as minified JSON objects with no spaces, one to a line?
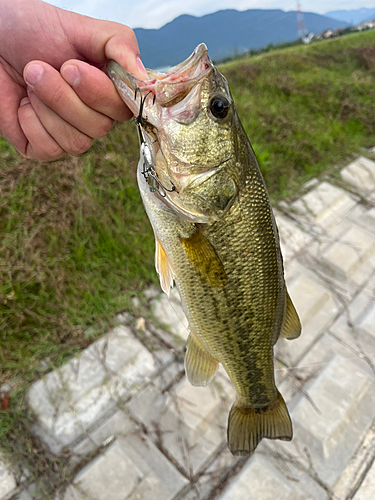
{"x":70,"y":139}
{"x":49,"y":86}
{"x":10,"y":97}
{"x":95,"y":89}
{"x":116,"y":49}
{"x":98,"y":41}
{"x":40,"y":146}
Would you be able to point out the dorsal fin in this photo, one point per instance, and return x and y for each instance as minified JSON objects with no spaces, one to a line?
{"x":292,"y":325}
{"x":163,"y":268}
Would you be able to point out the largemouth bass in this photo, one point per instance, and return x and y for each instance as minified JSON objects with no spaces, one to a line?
{"x":216,"y":237}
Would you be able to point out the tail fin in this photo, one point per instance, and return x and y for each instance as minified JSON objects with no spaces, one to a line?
{"x":248,"y":426}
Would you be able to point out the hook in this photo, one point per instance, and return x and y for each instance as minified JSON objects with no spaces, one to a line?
{"x":148,"y":170}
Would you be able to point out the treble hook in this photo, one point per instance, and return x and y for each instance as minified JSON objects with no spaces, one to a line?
{"x":148,"y":167}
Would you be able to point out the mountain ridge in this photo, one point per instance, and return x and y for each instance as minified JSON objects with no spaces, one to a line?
{"x":354,"y":16}
{"x":225,"y":32}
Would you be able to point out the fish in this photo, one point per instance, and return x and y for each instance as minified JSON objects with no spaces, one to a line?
{"x":216,"y":237}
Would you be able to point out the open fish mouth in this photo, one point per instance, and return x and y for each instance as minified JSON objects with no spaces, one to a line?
{"x":163,"y":96}
{"x":167,"y":108}
{"x":166,"y":89}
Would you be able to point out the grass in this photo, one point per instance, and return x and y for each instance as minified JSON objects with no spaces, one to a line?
{"x":306,"y":108}
{"x":75,"y":246}
{"x":75,"y":243}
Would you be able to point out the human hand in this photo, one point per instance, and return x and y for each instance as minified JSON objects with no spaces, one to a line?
{"x":54,"y":96}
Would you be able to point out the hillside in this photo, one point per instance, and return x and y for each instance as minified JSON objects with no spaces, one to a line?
{"x":225,"y":32}
{"x":306,"y":107}
{"x":75,"y":242}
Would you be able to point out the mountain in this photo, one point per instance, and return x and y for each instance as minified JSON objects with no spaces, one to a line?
{"x":225,"y":32}
{"x":352,"y":16}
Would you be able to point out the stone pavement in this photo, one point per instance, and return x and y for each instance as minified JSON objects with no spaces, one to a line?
{"x":125,"y":423}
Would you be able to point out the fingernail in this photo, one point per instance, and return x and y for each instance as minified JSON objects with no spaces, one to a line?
{"x":33,"y":74}
{"x":71,"y":75}
{"x":24,"y":101}
{"x":141,"y":68}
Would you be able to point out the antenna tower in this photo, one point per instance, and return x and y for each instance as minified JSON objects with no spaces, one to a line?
{"x":301,"y":25}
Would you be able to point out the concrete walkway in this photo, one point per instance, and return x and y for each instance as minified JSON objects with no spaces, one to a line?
{"x":121,"y":422}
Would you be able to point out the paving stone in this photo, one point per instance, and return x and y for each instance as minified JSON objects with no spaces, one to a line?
{"x":316,"y":359}
{"x":70,"y":400}
{"x":293,"y":464}
{"x":364,"y":216}
{"x":8,"y":485}
{"x":118,"y":424}
{"x":221,"y":469}
{"x":168,"y":311}
{"x":323,"y":206}
{"x":27,"y":494}
{"x":357,"y":468}
{"x":360,"y":174}
{"x":338,"y":411}
{"x":337,"y":392}
{"x":356,"y":325}
{"x":316,"y":306}
{"x":292,"y":238}
{"x":264,"y":482}
{"x":152,"y":292}
{"x":367,"y":488}
{"x":347,"y":253}
{"x":189,"y":422}
{"x":131,"y":468}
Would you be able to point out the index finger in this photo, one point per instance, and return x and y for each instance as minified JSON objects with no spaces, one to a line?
{"x":95,"y":89}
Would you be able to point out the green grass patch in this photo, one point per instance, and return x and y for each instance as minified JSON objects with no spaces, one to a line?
{"x":306,"y":108}
{"x":75,"y":243}
{"x":75,"y":246}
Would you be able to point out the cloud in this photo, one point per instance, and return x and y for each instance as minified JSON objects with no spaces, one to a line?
{"x":156,"y":13}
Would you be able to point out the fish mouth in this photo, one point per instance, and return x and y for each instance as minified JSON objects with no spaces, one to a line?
{"x":164,"y":89}
{"x":154,"y":101}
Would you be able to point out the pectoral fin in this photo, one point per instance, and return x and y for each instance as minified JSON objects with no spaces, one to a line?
{"x":292,"y":326}
{"x":204,"y":259}
{"x":163,"y":268}
{"x":200,"y":366}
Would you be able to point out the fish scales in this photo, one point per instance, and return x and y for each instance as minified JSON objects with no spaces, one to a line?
{"x":216,"y":237}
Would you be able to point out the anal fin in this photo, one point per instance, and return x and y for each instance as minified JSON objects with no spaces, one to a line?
{"x":248,"y":426}
{"x":292,"y":325}
{"x":163,"y":268}
{"x":200,"y":366}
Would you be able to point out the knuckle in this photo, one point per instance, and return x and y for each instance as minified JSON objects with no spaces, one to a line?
{"x":80,"y":144}
{"x":51,"y":153}
{"x":57,"y":97}
{"x":131,"y":36}
{"x":55,"y":153}
{"x":103,"y":127}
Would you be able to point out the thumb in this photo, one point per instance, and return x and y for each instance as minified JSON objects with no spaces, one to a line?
{"x":99,"y":41}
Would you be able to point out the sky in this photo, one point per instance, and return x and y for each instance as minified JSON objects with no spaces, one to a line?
{"x":155,"y":13}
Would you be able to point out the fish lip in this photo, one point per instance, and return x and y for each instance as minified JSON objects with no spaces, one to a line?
{"x":168,"y":88}
{"x":199,"y":52}
{"x":117,"y":72}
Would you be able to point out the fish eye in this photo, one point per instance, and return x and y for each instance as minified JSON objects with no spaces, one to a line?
{"x":219,"y":106}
